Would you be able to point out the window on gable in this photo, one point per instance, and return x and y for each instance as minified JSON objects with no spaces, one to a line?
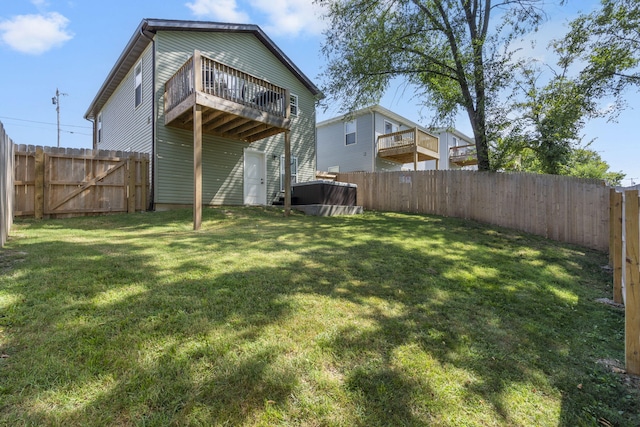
{"x":350,"y":132}
{"x":294,"y":171}
{"x":138,"y":83}
{"x":293,"y":104}
{"x":99,"y":126}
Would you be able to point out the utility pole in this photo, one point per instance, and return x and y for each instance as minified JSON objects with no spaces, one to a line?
{"x":56,"y":101}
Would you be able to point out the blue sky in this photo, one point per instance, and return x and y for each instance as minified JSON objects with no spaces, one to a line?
{"x":72,"y":45}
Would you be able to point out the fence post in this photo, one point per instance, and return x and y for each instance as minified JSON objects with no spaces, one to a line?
{"x":131,"y":187}
{"x":615,"y":243}
{"x":39,"y":184}
{"x":632,"y":284}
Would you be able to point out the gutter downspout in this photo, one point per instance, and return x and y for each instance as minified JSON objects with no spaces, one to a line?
{"x":151,"y":205}
{"x":94,"y":139}
{"x":374,"y":155}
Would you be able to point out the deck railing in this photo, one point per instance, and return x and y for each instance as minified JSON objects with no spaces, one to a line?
{"x":408,"y":137}
{"x":228,"y":83}
{"x":463,"y":153}
{"x":179,"y":86}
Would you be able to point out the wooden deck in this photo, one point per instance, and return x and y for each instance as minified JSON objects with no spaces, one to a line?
{"x":208,"y":97}
{"x":235,"y":104}
{"x":408,"y":146}
{"x":465,"y":155}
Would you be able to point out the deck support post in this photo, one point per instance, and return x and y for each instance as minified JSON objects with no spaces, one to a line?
{"x":415,"y":149}
{"x":287,"y":173}
{"x":197,"y":167}
{"x":197,"y":144}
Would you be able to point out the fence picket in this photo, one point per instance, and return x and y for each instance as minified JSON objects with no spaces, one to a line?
{"x":566,"y":209}
{"x":6,"y":185}
{"x":52,"y":182}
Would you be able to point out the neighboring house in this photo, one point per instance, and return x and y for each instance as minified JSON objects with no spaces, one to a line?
{"x":457,"y":151}
{"x":221,"y":132}
{"x":376,"y":139}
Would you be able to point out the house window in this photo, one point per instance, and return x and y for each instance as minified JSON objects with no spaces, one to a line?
{"x":390,"y":127}
{"x":294,"y":171}
{"x":293,"y":104}
{"x":99,"y":126}
{"x":454,"y":141}
{"x":138,"y":82}
{"x":350,"y":132}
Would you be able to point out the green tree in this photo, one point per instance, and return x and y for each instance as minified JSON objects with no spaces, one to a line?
{"x":545,"y":122}
{"x":608,"y":42}
{"x":451,"y":50}
{"x":585,"y":163}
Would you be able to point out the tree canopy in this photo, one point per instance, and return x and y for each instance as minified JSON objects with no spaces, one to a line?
{"x":607,"y":42}
{"x":456,"y":52}
{"x":459,"y":55}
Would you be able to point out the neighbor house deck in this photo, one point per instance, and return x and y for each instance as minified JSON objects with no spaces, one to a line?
{"x":234,"y":104}
{"x":464,"y":155}
{"x":408,"y":146}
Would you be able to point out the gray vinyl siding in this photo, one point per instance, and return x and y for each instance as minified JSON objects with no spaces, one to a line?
{"x":333,"y":151}
{"x":223,"y":172}
{"x":125,"y":126}
{"x":361,"y":156}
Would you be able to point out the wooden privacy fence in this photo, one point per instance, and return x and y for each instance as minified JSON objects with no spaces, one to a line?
{"x":6,"y":185}
{"x":62,"y":182}
{"x":561,"y":208}
{"x":625,"y":258}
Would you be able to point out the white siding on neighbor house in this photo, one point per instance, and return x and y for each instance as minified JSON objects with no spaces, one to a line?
{"x":125,"y":127}
{"x":333,"y":151}
{"x":362,"y":156}
{"x":223,"y":173}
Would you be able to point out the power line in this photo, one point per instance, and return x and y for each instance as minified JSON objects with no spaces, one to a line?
{"x":61,"y":130}
{"x":45,"y":123}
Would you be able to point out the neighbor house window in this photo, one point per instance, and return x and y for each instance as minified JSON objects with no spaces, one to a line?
{"x":294,"y":171}
{"x":99,"y":126}
{"x":293,"y":104}
{"x":350,"y":132}
{"x":454,"y":141}
{"x":138,"y":82}
{"x":390,"y":127}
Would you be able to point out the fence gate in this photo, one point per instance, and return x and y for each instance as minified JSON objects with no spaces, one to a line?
{"x":53,"y":182}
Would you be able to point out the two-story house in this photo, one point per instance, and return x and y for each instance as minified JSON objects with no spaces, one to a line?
{"x":215,"y":105}
{"x":376,"y":139}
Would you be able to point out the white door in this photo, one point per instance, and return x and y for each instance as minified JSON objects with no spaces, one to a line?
{"x":255,"y":178}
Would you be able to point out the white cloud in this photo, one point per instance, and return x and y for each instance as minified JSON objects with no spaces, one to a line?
{"x":35,"y":34}
{"x":291,"y":17}
{"x":221,"y":10}
{"x":279,"y":17}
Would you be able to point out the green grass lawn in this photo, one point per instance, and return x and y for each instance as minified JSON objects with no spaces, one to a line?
{"x":379,"y":319}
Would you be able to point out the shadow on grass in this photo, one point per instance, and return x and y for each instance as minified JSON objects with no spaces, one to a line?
{"x":419,"y":320}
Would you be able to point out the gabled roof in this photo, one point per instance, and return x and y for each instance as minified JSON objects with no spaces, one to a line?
{"x":454,"y":132}
{"x":400,"y":119}
{"x":145,"y":32}
{"x":368,"y":110}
